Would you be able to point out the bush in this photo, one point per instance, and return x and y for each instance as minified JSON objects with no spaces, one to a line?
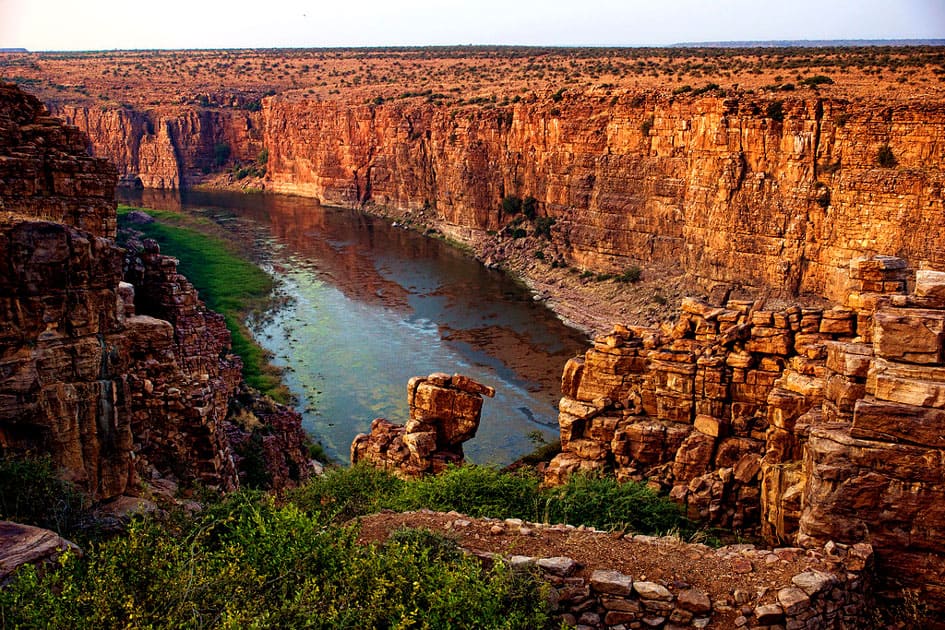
{"x":345,"y":493}
{"x":32,"y":493}
{"x":530,"y":208}
{"x":646,"y":126}
{"x":221,"y":153}
{"x":885,"y":157}
{"x":247,"y":562}
{"x":632,"y":274}
{"x":604,"y":503}
{"x":543,"y":227}
{"x":474,"y":490}
{"x":775,"y":110}
{"x":511,"y":204}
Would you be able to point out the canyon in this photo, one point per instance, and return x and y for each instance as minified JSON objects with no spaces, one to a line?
{"x":110,"y":363}
{"x":798,"y":396}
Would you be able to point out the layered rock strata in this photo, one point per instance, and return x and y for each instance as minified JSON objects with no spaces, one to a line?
{"x":119,"y":382}
{"x":815,"y":424}
{"x":444,"y":413}
{"x":743,"y":190}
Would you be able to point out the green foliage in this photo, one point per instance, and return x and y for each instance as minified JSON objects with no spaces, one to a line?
{"x":263,"y":158}
{"x":682,"y":89}
{"x":32,"y":493}
{"x":476,"y":491}
{"x":775,"y":110}
{"x":344,"y":493}
{"x":708,"y":87}
{"x":221,"y":153}
{"x":885,"y":157}
{"x":228,"y":283}
{"x":557,"y":96}
{"x":511,"y":204}
{"x":519,"y":233}
{"x":248,"y":563}
{"x":530,"y":208}
{"x":606,"y":504}
{"x":543,"y":227}
{"x":646,"y":126}
{"x":632,"y":274}
{"x":817,"y":80}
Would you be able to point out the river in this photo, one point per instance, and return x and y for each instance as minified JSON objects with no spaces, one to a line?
{"x":370,"y":305}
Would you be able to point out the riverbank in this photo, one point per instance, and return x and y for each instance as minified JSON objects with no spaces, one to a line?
{"x":226,"y":281}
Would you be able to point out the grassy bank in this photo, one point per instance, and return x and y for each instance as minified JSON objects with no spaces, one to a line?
{"x":227,"y":282}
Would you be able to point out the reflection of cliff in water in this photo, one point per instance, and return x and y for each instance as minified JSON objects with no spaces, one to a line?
{"x":398,"y":288}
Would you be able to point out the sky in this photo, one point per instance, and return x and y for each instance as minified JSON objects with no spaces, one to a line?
{"x":119,"y":24}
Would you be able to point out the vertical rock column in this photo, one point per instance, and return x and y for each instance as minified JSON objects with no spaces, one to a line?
{"x":444,"y":413}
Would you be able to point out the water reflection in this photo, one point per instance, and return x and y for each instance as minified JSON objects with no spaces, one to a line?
{"x":373,"y":305}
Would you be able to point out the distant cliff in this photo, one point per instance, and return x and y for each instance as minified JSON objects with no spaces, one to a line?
{"x":778,"y":194}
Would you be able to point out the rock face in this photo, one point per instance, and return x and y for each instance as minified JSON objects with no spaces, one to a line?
{"x":119,"y":381}
{"x":444,"y":413}
{"x":167,"y":148}
{"x":714,"y":187}
{"x":25,"y":544}
{"x":815,"y":425}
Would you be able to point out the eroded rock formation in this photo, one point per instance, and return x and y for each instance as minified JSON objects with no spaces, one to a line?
{"x":812,"y":424}
{"x":718,"y":188}
{"x":120,"y":382}
{"x":444,"y":413}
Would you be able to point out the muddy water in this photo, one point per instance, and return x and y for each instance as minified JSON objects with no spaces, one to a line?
{"x":371,"y":305}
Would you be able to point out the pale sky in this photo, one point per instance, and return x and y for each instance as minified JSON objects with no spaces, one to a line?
{"x":124,"y":24}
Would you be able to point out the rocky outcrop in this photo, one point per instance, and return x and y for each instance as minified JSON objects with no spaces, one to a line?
{"x":814,"y":425}
{"x":24,"y":544}
{"x":444,"y":413}
{"x":120,"y":382}
{"x":742,"y":190}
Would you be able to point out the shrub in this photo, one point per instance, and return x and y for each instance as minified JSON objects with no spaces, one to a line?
{"x":543,"y":227}
{"x":247,"y":562}
{"x":519,"y":233}
{"x":816,"y":80}
{"x":885,"y":157}
{"x":221,"y":153}
{"x":646,"y":126}
{"x":511,"y":204}
{"x":344,"y":493}
{"x":775,"y":110}
{"x":631,"y":274}
{"x":530,"y":207}
{"x":604,"y":503}
{"x":32,"y":493}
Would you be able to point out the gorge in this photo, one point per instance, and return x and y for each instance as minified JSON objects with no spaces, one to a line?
{"x":799,"y":396}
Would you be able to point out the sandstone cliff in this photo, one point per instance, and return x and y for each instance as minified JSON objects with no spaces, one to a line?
{"x":744,"y":190}
{"x":118,"y":382}
{"x":815,"y":425}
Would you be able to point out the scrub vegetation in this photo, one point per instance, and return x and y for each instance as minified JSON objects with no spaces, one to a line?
{"x":251,"y":560}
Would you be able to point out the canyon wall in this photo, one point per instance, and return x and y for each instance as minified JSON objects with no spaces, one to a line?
{"x":744,"y":190}
{"x":809,"y":425}
{"x":119,"y":383}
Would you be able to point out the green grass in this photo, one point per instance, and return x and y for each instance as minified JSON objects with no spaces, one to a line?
{"x":227,"y":282}
{"x":480,"y":491}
